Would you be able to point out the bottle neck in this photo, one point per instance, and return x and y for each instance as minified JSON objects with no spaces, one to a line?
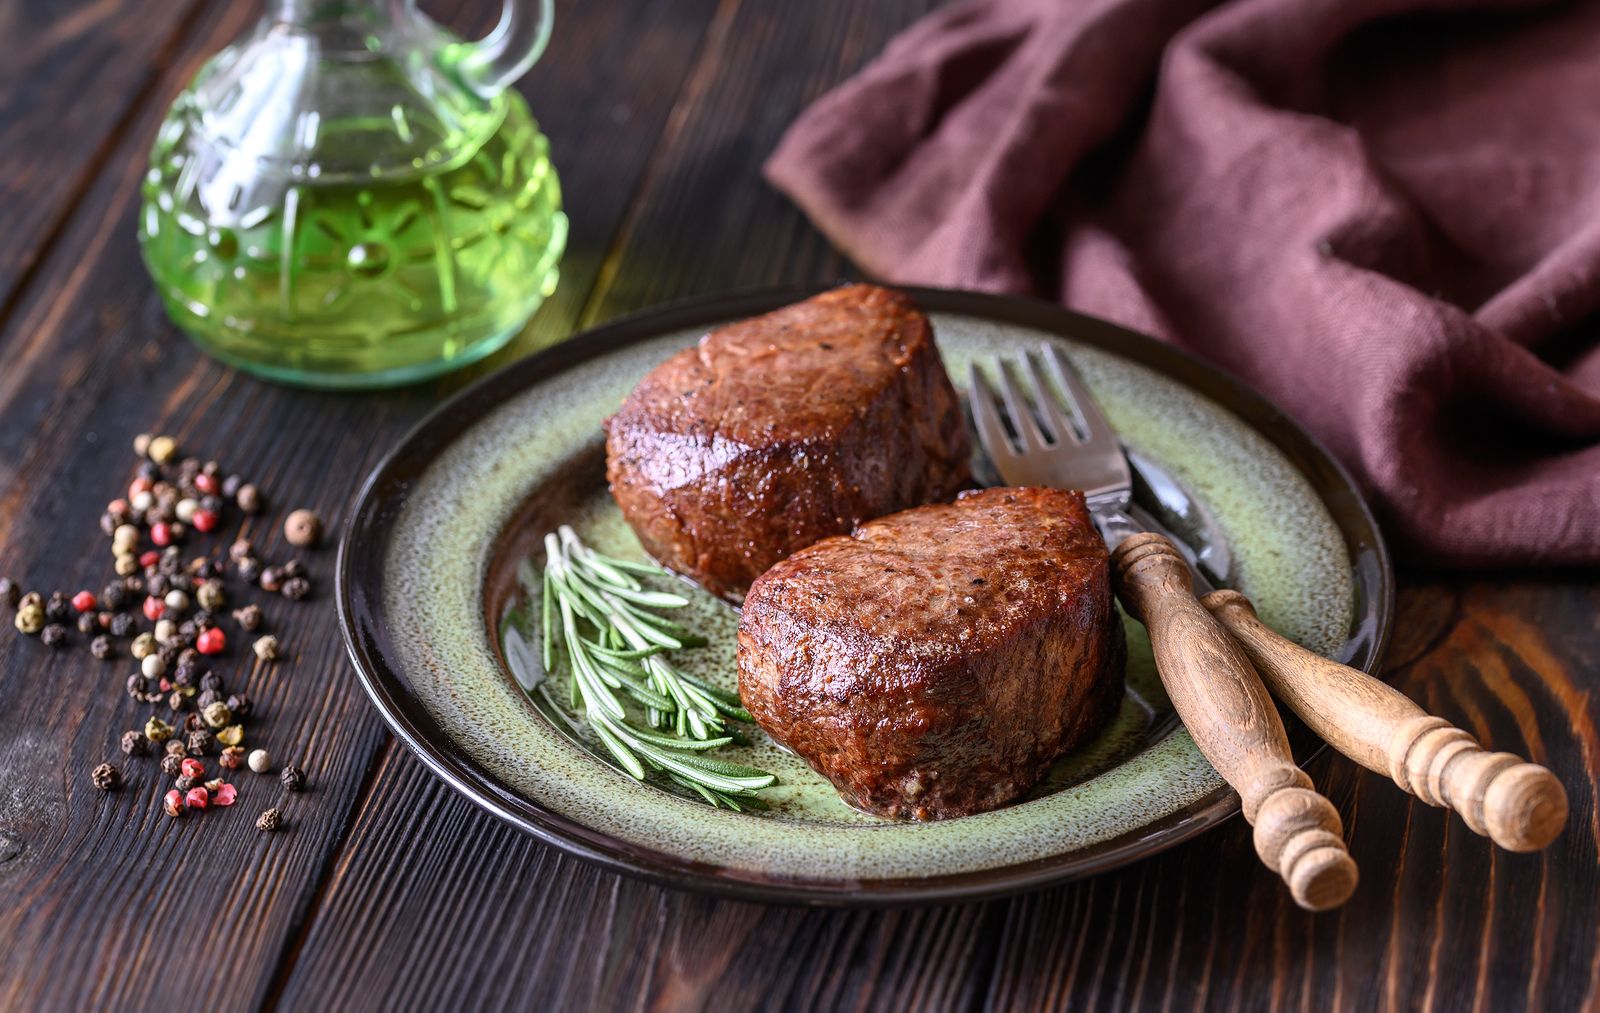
{"x":317,"y":13}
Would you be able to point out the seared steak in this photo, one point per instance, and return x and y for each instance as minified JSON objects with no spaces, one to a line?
{"x":774,"y":432}
{"x":935,"y":662}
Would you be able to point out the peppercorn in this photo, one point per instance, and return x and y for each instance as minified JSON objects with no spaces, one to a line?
{"x":248,"y":618}
{"x":185,"y":781}
{"x":53,"y":635}
{"x":230,"y":486}
{"x":157,"y":730}
{"x":197,"y":798}
{"x":106,"y":777}
{"x":260,"y":761}
{"x":240,"y":705}
{"x":210,"y":595}
{"x":203,"y":620}
{"x":30,"y":619}
{"x":101,"y":647}
{"x":296,"y":588}
{"x":127,"y":564}
{"x":270,"y":820}
{"x":217,"y":715}
{"x":161,"y":449}
{"x":231,"y":735}
{"x":212,"y":641}
{"x":166,"y":629}
{"x":170,"y":563}
{"x":193,"y":723}
{"x":89,"y":624}
{"x":303,"y":529}
{"x":153,"y":666}
{"x":232,"y":757}
{"x":176,"y":600}
{"x":138,"y":686}
{"x":172,"y":803}
{"x":172,"y":765}
{"x":134,"y":743}
{"x":242,"y":548}
{"x":271,"y":579}
{"x":266,"y":647}
{"x":194,"y":768}
{"x":250,"y":569}
{"x":59,"y":608}
{"x":176,"y":747}
{"x":134,"y":585}
{"x":141,"y":444}
{"x":249,"y":498}
{"x":122,"y":625}
{"x":292,"y":778}
{"x":211,"y":682}
{"x":205,"y":520}
{"x":143,"y":646}
{"x":200,"y":742}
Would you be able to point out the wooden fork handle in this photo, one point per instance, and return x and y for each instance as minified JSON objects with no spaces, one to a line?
{"x":1519,"y":805}
{"x":1222,"y":702}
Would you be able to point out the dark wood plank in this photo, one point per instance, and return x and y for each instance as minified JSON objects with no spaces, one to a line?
{"x":72,"y":75}
{"x":90,"y":361}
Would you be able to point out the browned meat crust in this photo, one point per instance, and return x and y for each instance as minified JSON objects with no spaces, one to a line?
{"x":777,"y":431}
{"x":937,"y":661}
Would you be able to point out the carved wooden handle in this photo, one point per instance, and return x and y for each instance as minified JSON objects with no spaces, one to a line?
{"x":1233,"y":721}
{"x":1519,"y":805}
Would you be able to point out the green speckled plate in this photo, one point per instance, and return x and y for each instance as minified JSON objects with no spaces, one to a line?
{"x":434,"y":561}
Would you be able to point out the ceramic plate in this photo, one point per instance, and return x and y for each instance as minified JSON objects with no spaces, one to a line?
{"x":445,"y":536}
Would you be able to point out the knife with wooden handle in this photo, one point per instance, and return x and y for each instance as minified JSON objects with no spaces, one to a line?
{"x":1519,"y":805}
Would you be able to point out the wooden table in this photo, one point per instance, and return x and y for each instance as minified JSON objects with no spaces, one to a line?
{"x":388,"y":889}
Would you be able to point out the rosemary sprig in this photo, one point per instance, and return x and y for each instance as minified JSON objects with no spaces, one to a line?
{"x":616,"y":647}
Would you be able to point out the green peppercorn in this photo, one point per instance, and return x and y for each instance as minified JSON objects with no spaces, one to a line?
{"x":217,"y":715}
{"x":30,"y":619}
{"x":143,"y":646}
{"x":157,"y":730}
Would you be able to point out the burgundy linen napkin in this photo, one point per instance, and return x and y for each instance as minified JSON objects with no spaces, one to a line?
{"x":1384,"y":214}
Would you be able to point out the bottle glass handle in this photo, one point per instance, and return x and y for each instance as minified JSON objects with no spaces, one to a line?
{"x":489,"y":65}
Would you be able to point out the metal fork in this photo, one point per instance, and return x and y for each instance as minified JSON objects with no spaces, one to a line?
{"x":1521,"y":806}
{"x":1213,"y":687}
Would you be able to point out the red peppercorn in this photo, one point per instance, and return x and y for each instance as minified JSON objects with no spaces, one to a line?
{"x":139,"y":485}
{"x":150,"y":559}
{"x":193,"y":767}
{"x":84,"y":601}
{"x":198,"y":798}
{"x":161,"y":533}
{"x":212,"y":641}
{"x":205,"y":520}
{"x":207,"y":484}
{"x":172,"y":803}
{"x":154,"y":608}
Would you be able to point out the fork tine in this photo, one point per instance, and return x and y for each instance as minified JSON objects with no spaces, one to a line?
{"x":1022,"y":418}
{"x":1064,"y":431}
{"x":991,"y":431}
{"x":1097,"y":429}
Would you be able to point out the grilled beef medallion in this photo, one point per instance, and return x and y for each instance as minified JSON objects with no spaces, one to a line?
{"x":936,"y":662}
{"x":784,"y":429}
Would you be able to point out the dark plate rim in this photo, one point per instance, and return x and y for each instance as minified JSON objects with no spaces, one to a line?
{"x":359,"y":582}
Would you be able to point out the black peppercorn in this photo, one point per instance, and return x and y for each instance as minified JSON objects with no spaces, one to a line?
{"x":292,"y":778}
{"x":293,"y":568}
{"x":249,"y":569}
{"x":175,"y":747}
{"x":10,"y":593}
{"x":58,"y":609}
{"x":206,"y":698}
{"x":230,"y":486}
{"x":181,"y":582}
{"x":158,"y":585}
{"x":114,"y":596}
{"x":211,"y":504}
{"x":200,"y":742}
{"x":203,"y":620}
{"x":296,"y":588}
{"x":123,"y":625}
{"x":211,"y":682}
{"x":88,"y":623}
{"x":172,"y":765}
{"x":185,"y":782}
{"x":134,"y":585}
{"x":271,"y":579}
{"x":53,"y":635}
{"x":138,"y":686}
{"x":149,"y":471}
{"x":194,"y":723}
{"x":106,"y":777}
{"x":177,"y":700}
{"x":239,"y":705}
{"x":248,"y":618}
{"x":270,"y":820}
{"x":101,"y":647}
{"x":134,"y":743}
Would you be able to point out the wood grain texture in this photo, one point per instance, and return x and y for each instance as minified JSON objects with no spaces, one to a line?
{"x":389,"y":890}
